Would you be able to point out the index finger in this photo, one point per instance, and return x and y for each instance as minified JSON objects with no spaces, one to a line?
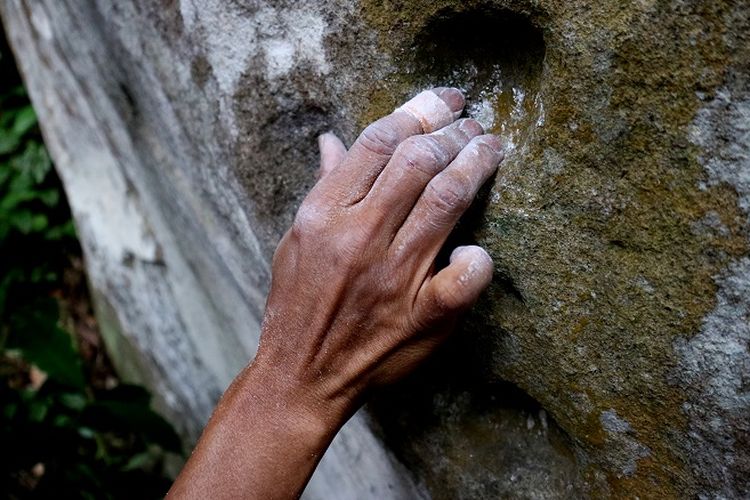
{"x":426,"y":112}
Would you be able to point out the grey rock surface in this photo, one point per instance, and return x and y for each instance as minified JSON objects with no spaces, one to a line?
{"x":610,"y":356}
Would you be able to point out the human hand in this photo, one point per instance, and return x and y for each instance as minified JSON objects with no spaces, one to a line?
{"x":356,"y":300}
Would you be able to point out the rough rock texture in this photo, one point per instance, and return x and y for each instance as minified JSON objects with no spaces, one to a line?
{"x":611,"y":355}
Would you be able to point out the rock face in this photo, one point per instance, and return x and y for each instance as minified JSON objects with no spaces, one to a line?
{"x":611,"y":356}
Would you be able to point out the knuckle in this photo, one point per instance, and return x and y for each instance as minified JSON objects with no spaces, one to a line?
{"x":448,"y":195}
{"x":348,"y":246}
{"x":423,"y":153}
{"x":379,"y":138}
{"x":309,"y":220}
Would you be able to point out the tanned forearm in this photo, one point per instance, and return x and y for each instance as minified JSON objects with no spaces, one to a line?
{"x":264,"y":440}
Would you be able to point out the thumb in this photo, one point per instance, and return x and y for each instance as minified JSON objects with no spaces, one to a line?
{"x":332,"y":151}
{"x":456,"y":287}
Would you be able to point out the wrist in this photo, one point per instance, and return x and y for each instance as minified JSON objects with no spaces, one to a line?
{"x":297,"y":406}
{"x":267,"y":433}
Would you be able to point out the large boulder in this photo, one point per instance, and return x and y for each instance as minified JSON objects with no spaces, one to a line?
{"x":611,"y":355}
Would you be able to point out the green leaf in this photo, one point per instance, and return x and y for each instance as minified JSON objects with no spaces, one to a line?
{"x":34,"y":331}
{"x":49,"y":197}
{"x":86,"y":432}
{"x":23,"y":220}
{"x":39,"y":223}
{"x":5,"y":172}
{"x":38,"y":409}
{"x":28,"y":222}
{"x":141,"y":460}
{"x":34,"y":161}
{"x":53,"y":352}
{"x":66,"y":230}
{"x":16,"y":197}
{"x":25,"y":120}
{"x":74,"y":401}
{"x":40,"y":274}
{"x":20,"y":183}
{"x":8,"y":143}
{"x":128,"y":406}
{"x":63,"y":421}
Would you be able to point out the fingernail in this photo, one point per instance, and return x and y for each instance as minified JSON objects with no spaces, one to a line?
{"x":470,"y":127}
{"x":453,"y":98}
{"x":478,"y":254}
{"x":494,"y":142}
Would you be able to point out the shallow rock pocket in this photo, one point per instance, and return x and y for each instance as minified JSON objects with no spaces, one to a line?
{"x":496,"y":57}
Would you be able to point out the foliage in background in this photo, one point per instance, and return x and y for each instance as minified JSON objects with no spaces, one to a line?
{"x":62,"y":434}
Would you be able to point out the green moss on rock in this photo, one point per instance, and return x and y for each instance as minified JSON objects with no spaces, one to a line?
{"x":605,"y":235}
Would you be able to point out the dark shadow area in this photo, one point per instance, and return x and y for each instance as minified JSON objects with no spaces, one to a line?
{"x":469,"y":436}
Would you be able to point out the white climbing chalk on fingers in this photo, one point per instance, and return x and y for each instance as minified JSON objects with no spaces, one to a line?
{"x":431,"y":111}
{"x":477,"y":263}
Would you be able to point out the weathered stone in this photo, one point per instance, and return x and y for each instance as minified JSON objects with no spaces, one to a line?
{"x":611,"y":355}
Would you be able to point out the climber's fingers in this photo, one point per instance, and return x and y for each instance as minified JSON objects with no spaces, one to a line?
{"x":445,"y":198}
{"x":352,"y":179}
{"x":413,"y":165}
